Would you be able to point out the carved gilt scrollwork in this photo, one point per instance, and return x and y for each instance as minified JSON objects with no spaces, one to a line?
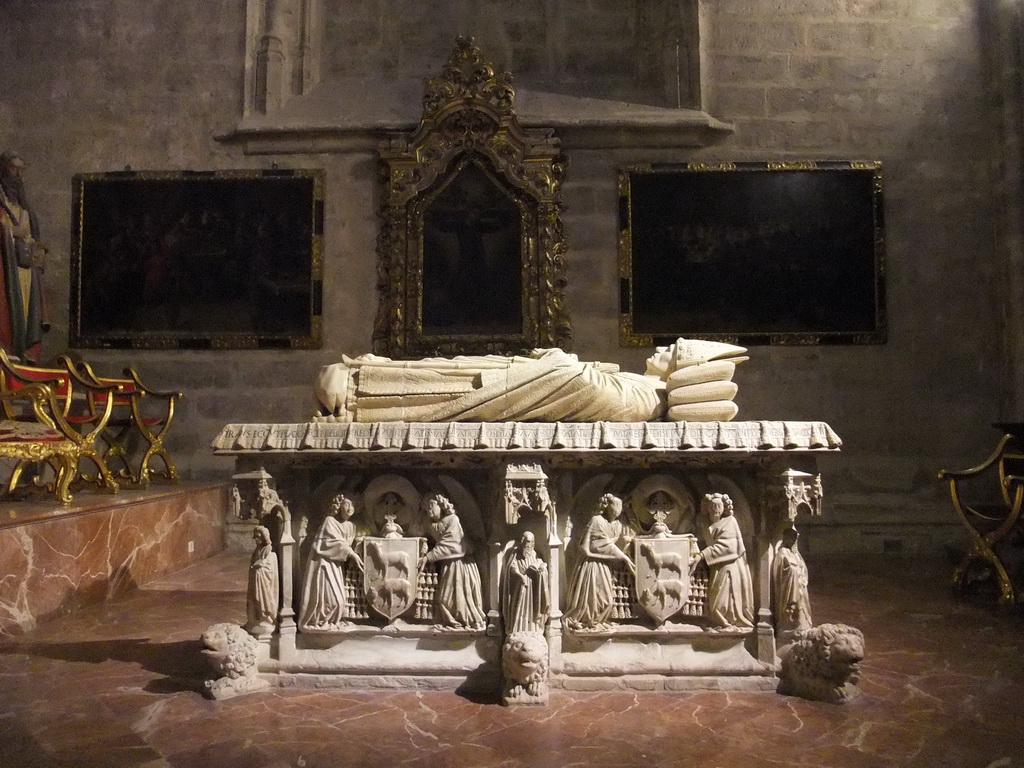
{"x":469,"y":129}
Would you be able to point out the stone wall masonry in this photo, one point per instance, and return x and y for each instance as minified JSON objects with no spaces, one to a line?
{"x":100,"y":85}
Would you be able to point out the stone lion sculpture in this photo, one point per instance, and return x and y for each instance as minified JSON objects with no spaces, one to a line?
{"x":231,"y":654}
{"x":822,"y":663}
{"x":524,"y":662}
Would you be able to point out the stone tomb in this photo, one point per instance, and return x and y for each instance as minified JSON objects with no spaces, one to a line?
{"x":515,"y":557}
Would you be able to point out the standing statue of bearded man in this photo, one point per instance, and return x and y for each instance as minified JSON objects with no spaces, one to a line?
{"x":22,"y":321}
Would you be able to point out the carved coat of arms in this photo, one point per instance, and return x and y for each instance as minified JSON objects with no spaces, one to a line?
{"x":390,"y":574}
{"x":662,"y":574}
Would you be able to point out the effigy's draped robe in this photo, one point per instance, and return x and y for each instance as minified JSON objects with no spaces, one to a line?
{"x":554,"y":387}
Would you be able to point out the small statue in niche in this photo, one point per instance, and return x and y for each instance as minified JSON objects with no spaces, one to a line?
{"x":268,"y":498}
{"x":545,"y":505}
{"x":262,"y":595}
{"x":235,"y":502}
{"x":525,"y":600}
{"x":792,"y":606}
{"x":592,"y":588}
{"x":323,"y":592}
{"x":730,"y":592}
{"x":459,"y":601}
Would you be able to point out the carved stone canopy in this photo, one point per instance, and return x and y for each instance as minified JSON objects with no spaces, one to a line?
{"x":471,"y":253}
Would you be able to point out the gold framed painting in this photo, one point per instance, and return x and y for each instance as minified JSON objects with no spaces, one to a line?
{"x":471,"y":258}
{"x":197,"y":259}
{"x":752,"y":253}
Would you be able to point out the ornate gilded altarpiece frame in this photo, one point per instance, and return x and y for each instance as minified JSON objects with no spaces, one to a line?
{"x":197,"y":259}
{"x":471,"y":256}
{"x":755,"y":253}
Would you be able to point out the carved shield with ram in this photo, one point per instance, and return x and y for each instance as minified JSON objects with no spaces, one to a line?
{"x":390,"y":574}
{"x":662,"y":575}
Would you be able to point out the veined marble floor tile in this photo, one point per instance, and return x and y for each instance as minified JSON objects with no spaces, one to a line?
{"x":120,"y":685}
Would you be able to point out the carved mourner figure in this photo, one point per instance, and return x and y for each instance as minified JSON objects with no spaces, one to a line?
{"x":525,"y":602}
{"x":459,"y":602}
{"x":792,"y":605}
{"x":262,"y":593}
{"x":592,"y":587}
{"x":730,"y":593}
{"x":323,"y":592}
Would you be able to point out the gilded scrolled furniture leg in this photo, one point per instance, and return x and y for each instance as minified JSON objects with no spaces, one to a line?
{"x":980,"y":551}
{"x":115,"y":451}
{"x":145,"y":471}
{"x":104,"y":478}
{"x":65,"y":474}
{"x":16,"y":473}
{"x":982,"y":545}
{"x":156,"y":445}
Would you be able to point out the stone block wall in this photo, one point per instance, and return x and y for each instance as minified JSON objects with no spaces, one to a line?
{"x":100,"y":85}
{"x":601,"y":48}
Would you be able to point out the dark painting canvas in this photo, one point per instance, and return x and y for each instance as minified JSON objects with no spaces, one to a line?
{"x":192,"y":260}
{"x":754,"y":253}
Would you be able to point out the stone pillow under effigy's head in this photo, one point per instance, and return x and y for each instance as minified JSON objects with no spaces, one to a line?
{"x":686,"y":381}
{"x":698,"y":379}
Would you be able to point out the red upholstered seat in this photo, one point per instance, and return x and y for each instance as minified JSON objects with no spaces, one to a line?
{"x":26,"y":431}
{"x":37,"y":434}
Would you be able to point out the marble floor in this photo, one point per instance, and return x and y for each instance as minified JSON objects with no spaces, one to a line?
{"x":118,"y":685}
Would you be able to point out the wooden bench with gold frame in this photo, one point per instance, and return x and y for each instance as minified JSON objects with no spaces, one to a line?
{"x":133,"y":414}
{"x":80,"y":410}
{"x":38,"y":433}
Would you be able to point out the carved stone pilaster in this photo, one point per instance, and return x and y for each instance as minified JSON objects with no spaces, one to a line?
{"x":284,"y":42}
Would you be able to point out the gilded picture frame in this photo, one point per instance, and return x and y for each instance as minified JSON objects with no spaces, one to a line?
{"x":197,"y":259}
{"x":752,"y":253}
{"x":471,"y":257}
